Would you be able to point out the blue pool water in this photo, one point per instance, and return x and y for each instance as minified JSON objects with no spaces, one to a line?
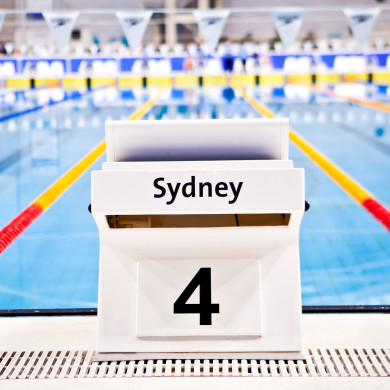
{"x":345,"y":252}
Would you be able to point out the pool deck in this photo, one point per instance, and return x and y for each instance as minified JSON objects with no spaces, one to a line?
{"x":320,"y":331}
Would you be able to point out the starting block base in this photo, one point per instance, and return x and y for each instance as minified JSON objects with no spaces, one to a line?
{"x":199,"y":241}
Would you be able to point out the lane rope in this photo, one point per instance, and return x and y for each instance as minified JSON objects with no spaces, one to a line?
{"x":363,"y":102}
{"x":345,"y":181}
{"x":48,"y":104}
{"x":26,"y":217}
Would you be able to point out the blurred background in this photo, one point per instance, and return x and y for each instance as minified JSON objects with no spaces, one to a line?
{"x":325,"y":28}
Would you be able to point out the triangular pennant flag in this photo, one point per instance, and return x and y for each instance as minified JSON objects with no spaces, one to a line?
{"x":61,"y":26}
{"x":2,"y":17}
{"x":361,"y":21}
{"x":134,"y":26}
{"x":211,"y":24}
{"x":288,"y":23}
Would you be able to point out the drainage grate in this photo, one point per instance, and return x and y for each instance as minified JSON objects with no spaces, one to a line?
{"x":78,"y":364}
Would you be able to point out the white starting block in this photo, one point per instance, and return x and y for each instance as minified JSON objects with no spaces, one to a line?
{"x":199,"y":227}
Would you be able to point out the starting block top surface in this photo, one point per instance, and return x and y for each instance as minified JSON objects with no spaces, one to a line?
{"x":198,"y":140}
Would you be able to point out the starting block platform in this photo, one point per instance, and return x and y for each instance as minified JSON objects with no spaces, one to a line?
{"x":199,"y":251}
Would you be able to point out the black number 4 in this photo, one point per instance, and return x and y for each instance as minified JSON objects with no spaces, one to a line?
{"x":205,"y":308}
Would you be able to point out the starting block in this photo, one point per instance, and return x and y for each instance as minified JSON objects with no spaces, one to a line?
{"x":199,"y":241}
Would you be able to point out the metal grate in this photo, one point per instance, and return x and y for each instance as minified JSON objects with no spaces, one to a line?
{"x":78,"y":364}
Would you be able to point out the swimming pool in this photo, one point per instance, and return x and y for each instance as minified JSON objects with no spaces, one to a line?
{"x":345,"y":252}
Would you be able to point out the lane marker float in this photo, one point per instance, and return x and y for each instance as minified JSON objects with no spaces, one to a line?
{"x":345,"y":181}
{"x":46,"y":105}
{"x":363,"y":102}
{"x":25,"y":218}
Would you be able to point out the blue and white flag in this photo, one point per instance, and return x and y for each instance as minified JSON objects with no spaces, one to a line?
{"x":211,"y":24}
{"x":288,"y":24}
{"x":61,"y":26}
{"x":361,"y":21}
{"x":134,"y":25}
{"x":2,"y":17}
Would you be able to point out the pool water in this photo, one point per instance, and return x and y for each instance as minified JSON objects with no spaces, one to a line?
{"x":345,"y":252}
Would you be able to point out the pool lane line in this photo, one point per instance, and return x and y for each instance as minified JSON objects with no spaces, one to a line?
{"x":363,"y":102}
{"x":16,"y":156}
{"x":345,"y":181}
{"x":46,"y":105}
{"x":26,"y":217}
{"x":375,"y":142}
{"x":9,"y":91}
{"x":19,"y":92}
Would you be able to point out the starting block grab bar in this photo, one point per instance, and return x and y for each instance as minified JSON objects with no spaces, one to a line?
{"x":195,"y":220}
{"x":214,"y":204}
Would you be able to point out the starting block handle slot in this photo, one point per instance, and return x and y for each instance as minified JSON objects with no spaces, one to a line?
{"x":196,"y":220}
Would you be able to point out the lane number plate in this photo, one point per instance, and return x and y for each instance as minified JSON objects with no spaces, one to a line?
{"x":199,"y":298}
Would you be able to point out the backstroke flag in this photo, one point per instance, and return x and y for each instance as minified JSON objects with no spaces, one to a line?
{"x":134,"y":25}
{"x":211,"y":24}
{"x":2,"y":17}
{"x":288,"y":23}
{"x":61,"y":26}
{"x":361,"y":21}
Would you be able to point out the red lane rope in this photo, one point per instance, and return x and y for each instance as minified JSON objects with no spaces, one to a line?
{"x":378,"y":211}
{"x":18,"y":225}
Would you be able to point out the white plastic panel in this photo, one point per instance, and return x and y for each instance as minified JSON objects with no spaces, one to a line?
{"x":176,"y":192}
{"x":187,"y":140}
